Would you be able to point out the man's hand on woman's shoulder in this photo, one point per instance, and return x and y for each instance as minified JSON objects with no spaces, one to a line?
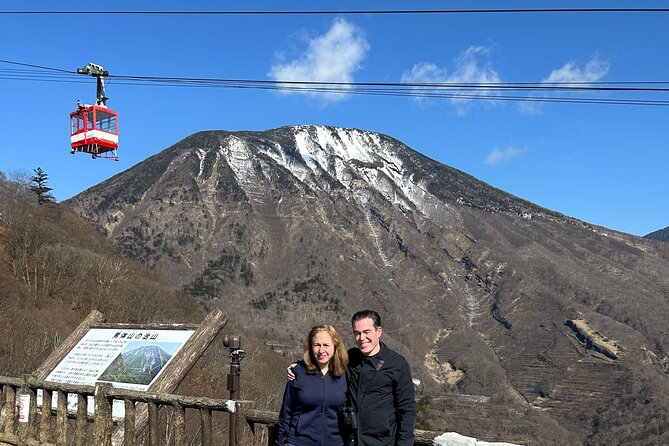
{"x":290,"y":375}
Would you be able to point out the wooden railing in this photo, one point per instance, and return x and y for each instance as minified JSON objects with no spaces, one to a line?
{"x":270,"y":420}
{"x":61,"y":427}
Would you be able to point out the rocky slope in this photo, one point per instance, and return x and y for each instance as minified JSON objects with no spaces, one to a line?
{"x":508,"y":306}
{"x":661,"y":234}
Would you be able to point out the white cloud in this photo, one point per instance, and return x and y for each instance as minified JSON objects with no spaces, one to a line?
{"x":502,"y":156}
{"x":331,"y":57}
{"x":470,"y":67}
{"x":594,"y":70}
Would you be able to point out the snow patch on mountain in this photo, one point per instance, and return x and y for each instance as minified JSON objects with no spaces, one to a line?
{"x":207,"y":185}
{"x":201,"y":153}
{"x":363,"y":162}
{"x":240,"y":160}
{"x":347,"y":153}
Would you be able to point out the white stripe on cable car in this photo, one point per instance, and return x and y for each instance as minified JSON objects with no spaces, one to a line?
{"x":100,"y":134}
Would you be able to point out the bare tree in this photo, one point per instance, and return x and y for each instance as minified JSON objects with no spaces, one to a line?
{"x":13,"y":190}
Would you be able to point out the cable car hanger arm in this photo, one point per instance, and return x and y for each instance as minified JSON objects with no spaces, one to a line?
{"x":99,"y":73}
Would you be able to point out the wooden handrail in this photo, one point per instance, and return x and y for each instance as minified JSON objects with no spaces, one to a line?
{"x":103,"y":422}
{"x":13,"y":433}
{"x":271,"y":419}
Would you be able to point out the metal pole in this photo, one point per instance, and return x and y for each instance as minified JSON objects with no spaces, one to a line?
{"x":234,"y":380}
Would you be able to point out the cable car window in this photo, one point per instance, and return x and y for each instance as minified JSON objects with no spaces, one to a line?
{"x":89,"y":120}
{"x":106,"y":121}
{"x":74,"y":124}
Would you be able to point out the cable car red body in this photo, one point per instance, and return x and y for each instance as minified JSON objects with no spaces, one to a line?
{"x":94,"y":130}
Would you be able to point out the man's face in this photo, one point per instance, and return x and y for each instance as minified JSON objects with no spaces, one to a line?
{"x":367,"y":336}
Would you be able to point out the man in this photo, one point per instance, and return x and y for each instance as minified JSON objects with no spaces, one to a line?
{"x":380,"y":388}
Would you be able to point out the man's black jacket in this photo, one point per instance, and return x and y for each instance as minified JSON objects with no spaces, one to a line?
{"x":381,"y":390}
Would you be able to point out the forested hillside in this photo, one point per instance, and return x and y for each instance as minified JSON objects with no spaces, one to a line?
{"x":55,"y":269}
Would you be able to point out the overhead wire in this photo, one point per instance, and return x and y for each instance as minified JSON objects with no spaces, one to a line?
{"x":582,"y":86}
{"x":431,"y":90}
{"x":489,"y":91}
{"x":348,"y":11}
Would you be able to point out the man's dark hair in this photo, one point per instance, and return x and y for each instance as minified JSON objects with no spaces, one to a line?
{"x":364,"y":314}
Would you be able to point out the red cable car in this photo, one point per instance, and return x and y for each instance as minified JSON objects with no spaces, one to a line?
{"x":94,"y":128}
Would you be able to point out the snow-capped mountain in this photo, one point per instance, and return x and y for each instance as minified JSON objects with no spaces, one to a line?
{"x":513,"y":314}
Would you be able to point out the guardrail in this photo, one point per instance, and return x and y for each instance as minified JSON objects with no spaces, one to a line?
{"x":63,"y":426}
{"x":270,"y":420}
{"x":34,"y":427}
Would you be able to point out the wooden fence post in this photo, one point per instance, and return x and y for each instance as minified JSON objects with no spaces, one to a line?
{"x":205,"y":426}
{"x":45,"y":417}
{"x":129,"y":438}
{"x":179,"y":422}
{"x":8,"y":413}
{"x":103,"y":415}
{"x":61,"y":418}
{"x":9,"y":408}
{"x":153,"y":424}
{"x":81,"y":427}
{"x":27,"y":428}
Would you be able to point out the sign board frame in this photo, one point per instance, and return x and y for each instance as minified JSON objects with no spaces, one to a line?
{"x":172,"y":373}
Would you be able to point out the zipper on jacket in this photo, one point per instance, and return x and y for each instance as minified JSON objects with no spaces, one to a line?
{"x":325,"y":394}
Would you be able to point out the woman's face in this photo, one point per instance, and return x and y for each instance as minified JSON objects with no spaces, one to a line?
{"x":322,"y":348}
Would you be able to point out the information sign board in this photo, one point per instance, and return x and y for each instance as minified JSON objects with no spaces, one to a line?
{"x":126,"y":358}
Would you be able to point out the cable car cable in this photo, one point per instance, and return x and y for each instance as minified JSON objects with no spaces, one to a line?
{"x":489,"y":85}
{"x":425,"y":90}
{"x":582,"y":86}
{"x":354,"y":12}
{"x":37,"y":66}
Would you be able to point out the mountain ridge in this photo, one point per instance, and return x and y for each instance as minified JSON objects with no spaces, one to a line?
{"x":211,"y":137}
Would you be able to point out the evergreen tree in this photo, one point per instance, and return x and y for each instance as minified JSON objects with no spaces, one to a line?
{"x":38,"y":184}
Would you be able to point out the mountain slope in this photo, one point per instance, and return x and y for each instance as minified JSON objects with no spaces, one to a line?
{"x":661,"y":234}
{"x":519,"y":315}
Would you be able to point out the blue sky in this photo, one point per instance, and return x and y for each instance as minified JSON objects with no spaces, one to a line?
{"x":605,"y":164}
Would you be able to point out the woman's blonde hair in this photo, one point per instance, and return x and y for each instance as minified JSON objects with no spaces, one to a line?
{"x":339,"y":360}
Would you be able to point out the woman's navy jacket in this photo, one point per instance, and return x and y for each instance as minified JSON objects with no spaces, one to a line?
{"x":308,"y":414}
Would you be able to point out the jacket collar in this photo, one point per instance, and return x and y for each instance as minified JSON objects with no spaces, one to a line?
{"x":380,"y":356}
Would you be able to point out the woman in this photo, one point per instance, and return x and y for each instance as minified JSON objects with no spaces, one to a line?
{"x":311,"y":402}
